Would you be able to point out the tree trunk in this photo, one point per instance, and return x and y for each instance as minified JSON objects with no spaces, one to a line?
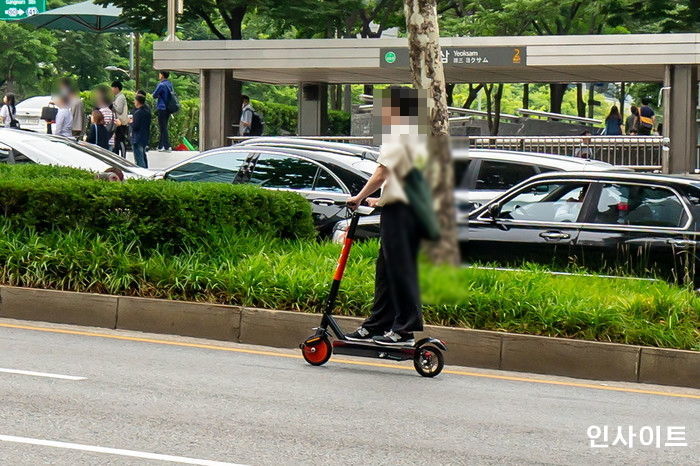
{"x":493,"y":107}
{"x":427,"y":72}
{"x":449,"y":89}
{"x":623,"y":94}
{"x":473,"y":94}
{"x":347,"y":98}
{"x":580,"y":103}
{"x":526,"y":96}
{"x":591,"y":100}
{"x":556,"y":96}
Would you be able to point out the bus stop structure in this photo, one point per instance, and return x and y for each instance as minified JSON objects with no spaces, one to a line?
{"x":312,"y":64}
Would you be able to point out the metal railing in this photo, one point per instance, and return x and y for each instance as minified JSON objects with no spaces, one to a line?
{"x":643,"y":153}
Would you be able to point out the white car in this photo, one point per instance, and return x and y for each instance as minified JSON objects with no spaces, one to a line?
{"x":20,"y":146}
{"x":29,"y":113}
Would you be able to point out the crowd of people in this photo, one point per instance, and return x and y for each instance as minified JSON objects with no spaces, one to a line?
{"x":110,"y":124}
{"x":640,"y":122}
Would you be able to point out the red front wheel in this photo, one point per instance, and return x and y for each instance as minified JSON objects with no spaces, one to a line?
{"x":317,"y":350}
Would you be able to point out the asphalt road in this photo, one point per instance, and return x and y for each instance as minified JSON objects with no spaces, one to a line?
{"x":202,"y":401}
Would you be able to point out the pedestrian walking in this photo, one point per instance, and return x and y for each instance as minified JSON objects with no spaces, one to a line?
{"x":613,"y":122}
{"x":97,"y":133}
{"x":163,"y":94}
{"x":632,"y":121}
{"x":121,"y":112}
{"x":64,"y":118}
{"x":8,"y":112}
{"x":647,"y":118}
{"x":396,"y":312}
{"x":77,"y":111}
{"x":140,"y":130}
{"x":104,"y":105}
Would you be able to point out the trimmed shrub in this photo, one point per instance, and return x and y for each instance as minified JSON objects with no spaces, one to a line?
{"x":153,"y":212}
{"x":35,"y":172}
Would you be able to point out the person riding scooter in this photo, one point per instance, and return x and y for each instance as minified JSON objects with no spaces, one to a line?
{"x":396,"y":312}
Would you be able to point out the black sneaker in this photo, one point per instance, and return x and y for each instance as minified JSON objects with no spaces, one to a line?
{"x":361,"y":334}
{"x":392,"y":338}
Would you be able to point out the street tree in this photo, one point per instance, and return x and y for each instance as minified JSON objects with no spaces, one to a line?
{"x":25,"y":54}
{"x":427,"y":73}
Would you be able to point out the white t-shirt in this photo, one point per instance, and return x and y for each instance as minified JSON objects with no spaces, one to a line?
{"x":400,"y":151}
{"x":5,"y":116}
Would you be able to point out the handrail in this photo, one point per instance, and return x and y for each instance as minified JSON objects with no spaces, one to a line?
{"x":558,"y":116}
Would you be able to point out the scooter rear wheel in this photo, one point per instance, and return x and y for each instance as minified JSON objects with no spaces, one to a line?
{"x":317,"y":350}
{"x":428,"y":361}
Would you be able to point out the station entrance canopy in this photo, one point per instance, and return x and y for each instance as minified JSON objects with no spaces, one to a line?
{"x":543,"y":59}
{"x":673,"y":59}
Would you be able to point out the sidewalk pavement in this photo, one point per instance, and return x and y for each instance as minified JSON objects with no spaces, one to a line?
{"x":159,"y":160}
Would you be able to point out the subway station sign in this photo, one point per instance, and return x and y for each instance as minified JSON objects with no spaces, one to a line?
{"x":17,"y":9}
{"x":463,"y":57}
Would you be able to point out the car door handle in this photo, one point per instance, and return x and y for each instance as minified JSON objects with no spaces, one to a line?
{"x":681,"y":243}
{"x":324,"y":202}
{"x":554,"y":235}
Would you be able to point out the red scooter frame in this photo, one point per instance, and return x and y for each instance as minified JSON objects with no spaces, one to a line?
{"x":317,"y":349}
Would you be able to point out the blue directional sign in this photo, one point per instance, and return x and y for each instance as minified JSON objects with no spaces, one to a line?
{"x":17,"y":9}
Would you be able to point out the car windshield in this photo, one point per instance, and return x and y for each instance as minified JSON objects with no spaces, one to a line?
{"x":79,"y":155}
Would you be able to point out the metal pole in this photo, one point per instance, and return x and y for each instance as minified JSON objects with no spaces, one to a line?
{"x":137,"y":54}
{"x":131,"y":53}
{"x":172,"y":20}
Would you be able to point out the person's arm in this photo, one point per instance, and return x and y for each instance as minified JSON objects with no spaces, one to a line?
{"x":375,"y":182}
{"x":137,"y":123}
{"x":247,"y":117}
{"x":158,"y":91}
{"x":4,"y":113}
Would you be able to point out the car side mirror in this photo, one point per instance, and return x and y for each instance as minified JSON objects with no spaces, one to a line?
{"x":494,"y":211}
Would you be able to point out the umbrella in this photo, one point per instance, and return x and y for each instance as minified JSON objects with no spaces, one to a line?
{"x":84,"y":16}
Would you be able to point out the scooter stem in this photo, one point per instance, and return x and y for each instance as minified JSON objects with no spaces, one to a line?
{"x":342,"y":262}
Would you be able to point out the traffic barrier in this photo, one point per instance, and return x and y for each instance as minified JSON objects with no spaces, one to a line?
{"x":466,"y":347}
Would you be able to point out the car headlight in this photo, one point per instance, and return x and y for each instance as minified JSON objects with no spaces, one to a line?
{"x":340,"y":231}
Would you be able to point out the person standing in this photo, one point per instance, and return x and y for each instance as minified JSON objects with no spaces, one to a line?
{"x":396,"y":312}
{"x":162,"y":94}
{"x":632,"y":121}
{"x":64,"y":118}
{"x":98,"y":134}
{"x":613,"y":122}
{"x":647,"y":118}
{"x":140,"y":130}
{"x":246,"y":116}
{"x":8,"y":112}
{"x":77,"y":113}
{"x":121,"y":113}
{"x":105,"y":107}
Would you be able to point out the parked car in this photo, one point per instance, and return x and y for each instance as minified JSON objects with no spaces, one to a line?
{"x":321,"y":177}
{"x":29,"y":113}
{"x":20,"y":146}
{"x":633,"y":222}
{"x":367,"y":152}
{"x":483,"y":174}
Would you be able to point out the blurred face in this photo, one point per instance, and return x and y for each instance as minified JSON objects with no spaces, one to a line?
{"x":5,"y":100}
{"x":115,"y":90}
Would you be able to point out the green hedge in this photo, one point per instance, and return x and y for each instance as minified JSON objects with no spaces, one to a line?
{"x":152,"y":212}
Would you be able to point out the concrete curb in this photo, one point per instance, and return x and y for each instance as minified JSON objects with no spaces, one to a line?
{"x":473,"y":348}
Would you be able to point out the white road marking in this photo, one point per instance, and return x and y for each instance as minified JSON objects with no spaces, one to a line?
{"x":42,"y":374}
{"x":113,"y":451}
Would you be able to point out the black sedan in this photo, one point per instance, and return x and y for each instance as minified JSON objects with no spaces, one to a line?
{"x":624,"y":222}
{"x":322,"y":178}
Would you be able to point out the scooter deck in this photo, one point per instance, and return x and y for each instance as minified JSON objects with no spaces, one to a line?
{"x":373,"y":350}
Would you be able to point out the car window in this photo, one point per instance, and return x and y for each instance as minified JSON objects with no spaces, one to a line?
{"x":220,"y":167}
{"x":327,"y":183}
{"x":626,"y":204}
{"x":547,"y":202}
{"x":461,"y":168}
{"x":283,"y":171}
{"x":500,"y":176}
{"x":353,"y":181}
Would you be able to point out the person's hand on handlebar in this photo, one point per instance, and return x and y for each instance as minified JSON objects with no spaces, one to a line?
{"x":354,"y":202}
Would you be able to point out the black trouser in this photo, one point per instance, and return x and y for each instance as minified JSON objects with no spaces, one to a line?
{"x":120,"y":133}
{"x":396,"y":294}
{"x":163,"y":118}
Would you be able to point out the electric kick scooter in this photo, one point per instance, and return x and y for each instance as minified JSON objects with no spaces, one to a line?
{"x":317,"y":349}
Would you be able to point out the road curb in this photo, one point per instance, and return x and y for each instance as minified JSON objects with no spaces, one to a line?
{"x":466,"y":347}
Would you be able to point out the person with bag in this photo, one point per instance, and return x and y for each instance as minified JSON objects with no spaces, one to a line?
{"x":613,"y":122}
{"x":166,"y":105}
{"x":63,"y":125}
{"x":647,"y":119}
{"x":404,"y":221}
{"x":8,"y":112}
{"x":140,"y":130}
{"x":98,"y":134}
